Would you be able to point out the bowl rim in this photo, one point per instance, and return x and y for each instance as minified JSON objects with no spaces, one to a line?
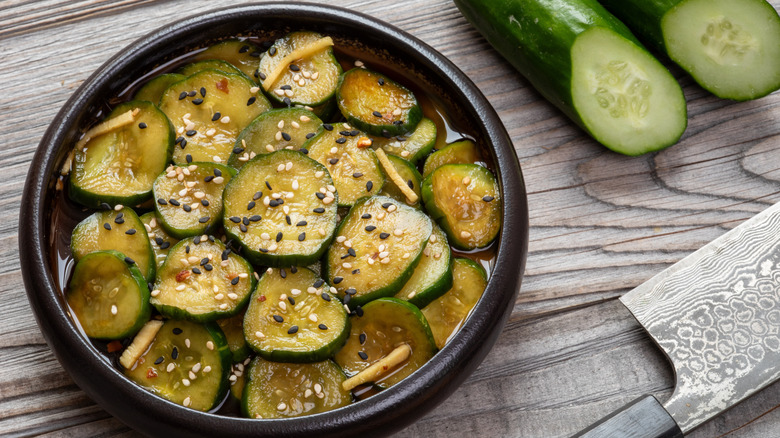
{"x":383,"y":413}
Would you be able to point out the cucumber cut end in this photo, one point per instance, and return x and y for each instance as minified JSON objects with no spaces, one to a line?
{"x":729,"y":46}
{"x":625,"y":98}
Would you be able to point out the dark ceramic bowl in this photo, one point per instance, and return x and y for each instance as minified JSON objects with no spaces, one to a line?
{"x":383,"y":413}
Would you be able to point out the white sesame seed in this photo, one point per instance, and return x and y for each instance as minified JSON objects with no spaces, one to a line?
{"x":288,"y":93}
{"x":391,"y":208}
{"x":183,"y":192}
{"x":266,"y":201}
{"x":187,"y":342}
{"x":243,"y":275}
{"x":347,"y":265}
{"x":192,"y":375}
{"x":385,"y":261}
{"x":465,"y":234}
{"x":279,"y":92}
{"x":295,"y":124}
{"x":193,"y":259}
{"x":397,"y":112}
{"x":370,"y":260}
{"x":286,"y":209}
{"x":196,"y":367}
{"x":382,"y":247}
{"x":207,"y":368}
{"x":306,"y":75}
{"x":380,"y":215}
{"x":225,"y":119}
{"x":211,"y":132}
{"x":273,"y":247}
{"x":327,"y":200}
{"x":432,"y":239}
{"x":219,"y":297}
{"x":187,"y":402}
{"x":233,"y":378}
{"x":283,"y":305}
{"x":171,"y":174}
{"x":269,"y":271}
{"x":301,"y":83}
{"x":280,"y":125}
{"x":170,"y":367}
{"x":384,"y":254}
{"x":265,"y":236}
{"x":216,"y":159}
{"x":411,"y":294}
{"x":341,"y":239}
{"x":181,"y":287}
{"x":295,"y":292}
{"x":313,"y":317}
{"x":269,"y":148}
{"x":281,"y":406}
{"x":359,"y":63}
{"x":317,"y":388}
{"x":288,"y":166}
{"x":185,"y":382}
{"x":397,"y":329}
{"x":307,"y":393}
{"x":320,"y":395}
{"x":333,"y":290}
{"x":348,"y":243}
{"x":254,"y":90}
{"x":252,"y":155}
{"x":311,"y":290}
{"x":322,"y":232}
{"x":405,"y":154}
{"x":223,"y":306}
{"x":155,"y":292}
{"x":406,"y":255}
{"x":318,"y":174}
{"x":233,"y":296}
{"x":114,"y":310}
{"x":466,"y":180}
{"x":259,"y":335}
{"x":295,"y":184}
{"x":334,"y":150}
{"x":280,"y":167}
{"x":278,"y":136}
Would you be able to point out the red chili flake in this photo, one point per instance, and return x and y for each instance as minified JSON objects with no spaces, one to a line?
{"x":151,"y":373}
{"x":114,"y":346}
{"x":183,"y":275}
{"x":222,"y":85}
{"x":261,"y":298}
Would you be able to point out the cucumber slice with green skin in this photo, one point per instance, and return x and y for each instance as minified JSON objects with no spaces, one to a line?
{"x":188,"y":363}
{"x":411,"y":147}
{"x":376,"y":104}
{"x":292,"y":317}
{"x":282,"y":208}
{"x":282,"y":390}
{"x":458,"y":152}
{"x":233,"y":328}
{"x":109,"y":168}
{"x":286,"y":128}
{"x":108,"y":296}
{"x":208,"y":125}
{"x":433,"y":275}
{"x":446,"y":314}
{"x":465,"y":200}
{"x":728,"y":46}
{"x":120,"y":231}
{"x":189,"y":198}
{"x":237,"y":385}
{"x":345,"y":152}
{"x":160,"y":241}
{"x":588,"y":64}
{"x":210,"y":64}
{"x":386,"y":323}
{"x":243,"y":55}
{"x":154,"y":89}
{"x":379,"y":244}
{"x":309,"y":81}
{"x":202,"y":281}
{"x":412,"y":177}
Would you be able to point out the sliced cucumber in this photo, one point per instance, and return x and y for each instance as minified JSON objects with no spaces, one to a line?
{"x":187,"y":363}
{"x":237,"y":385}
{"x":310,"y":80}
{"x":345,"y":152}
{"x":387,"y":323}
{"x":282,"y":208}
{"x":447,"y":313}
{"x":160,"y":240}
{"x":378,"y":245}
{"x":189,"y":198}
{"x":465,"y":200}
{"x":243,"y":55}
{"x":233,"y":328}
{"x":119,"y":166}
{"x":293,"y":318}
{"x":376,"y":104}
{"x":210,"y":64}
{"x":202,"y":281}
{"x":121,"y":231}
{"x":208,"y":110}
{"x":411,"y":147}
{"x":108,"y":296}
{"x":409,"y":174}
{"x":281,"y":390}
{"x":433,"y":275}
{"x":286,"y":128}
{"x":153,"y":90}
{"x":458,"y":152}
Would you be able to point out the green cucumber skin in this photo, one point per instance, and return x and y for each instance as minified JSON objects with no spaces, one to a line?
{"x":643,"y":17}
{"x":318,"y":355}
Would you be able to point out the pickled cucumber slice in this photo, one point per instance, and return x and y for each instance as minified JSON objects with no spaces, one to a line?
{"x":187,"y":363}
{"x":153,"y":90}
{"x":292,"y":317}
{"x":447,"y":313}
{"x":210,"y":64}
{"x":465,"y":201}
{"x":433,"y":275}
{"x":119,"y":167}
{"x":233,"y":328}
{"x":243,"y":55}
{"x":411,"y":147}
{"x":385,"y":324}
{"x":377,"y":247}
{"x":202,"y":281}
{"x":108,"y":296}
{"x":458,"y":152}
{"x":282,"y":390}
{"x":160,"y":240}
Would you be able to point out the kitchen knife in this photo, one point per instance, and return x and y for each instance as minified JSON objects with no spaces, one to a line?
{"x":716,"y":315}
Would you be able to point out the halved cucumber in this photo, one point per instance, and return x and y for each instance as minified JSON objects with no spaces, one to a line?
{"x":377,"y":247}
{"x":347,"y":155}
{"x":376,"y":104}
{"x":189,"y":198}
{"x":187,"y":363}
{"x":293,"y":318}
{"x":233,"y":328}
{"x":286,"y":128}
{"x":409,"y":174}
{"x":243,"y":55}
{"x":387,"y":323}
{"x":208,"y":110}
{"x":108,"y":296}
{"x":119,"y":166}
{"x":464,"y":199}
{"x":202,"y":281}
{"x":281,"y":390}
{"x":210,"y":64}
{"x":433,"y":275}
{"x":121,"y":231}
{"x":458,"y":152}
{"x":310,"y":80}
{"x":413,"y":146}
{"x":160,"y":241}
{"x":446,"y":314}
{"x":153,"y":90}
{"x":282,"y":208}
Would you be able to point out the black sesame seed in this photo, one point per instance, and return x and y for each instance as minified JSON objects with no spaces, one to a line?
{"x":380,"y":81}
{"x":398,"y":122}
{"x":162,"y":201}
{"x":175,"y":353}
{"x":238,"y":150}
{"x":211,"y":238}
{"x":355,"y":271}
{"x":410,"y":183}
{"x":235,"y":219}
{"x":325,"y":296}
{"x":257,"y":196}
{"x":204,"y":260}
{"x":263,"y":250}
{"x":272,"y":51}
{"x":243,"y":228}
{"x":401,"y":138}
{"x":302,"y":237}
{"x":192,"y":93}
{"x":216,"y":116}
{"x":191,"y":132}
{"x":203,"y":91}
{"x":327,"y":126}
{"x":286,"y":87}
{"x":131,"y":231}
{"x":178,"y":140}
{"x":159,"y":360}
{"x":261,"y":75}
{"x":251,"y":205}
{"x":273,"y":203}
{"x":333,"y":160}
{"x":282,"y":273}
{"x":255,"y":218}
{"x":187,"y":249}
{"x":142,"y":125}
{"x":346,"y":299}
{"x":107,"y":226}
{"x":351,"y":291}
{"x":337,"y":280}
{"x":319,"y":210}
{"x":208,"y":178}
{"x":369,"y":186}
{"x":119,"y":220}
{"x":345,"y":133}
{"x":196,"y":240}
{"x":387,"y":205}
{"x":377,"y":114}
{"x":234,"y":281}
{"x":354,"y":133}
{"x":279,"y":236}
{"x":165,"y":245}
{"x":196,"y":271}
{"x":208,"y":267}
{"x":363,"y":355}
{"x":366,"y":216}
{"x":351,"y":251}
{"x":251,"y":100}
{"x":386,"y":133}
{"x":322,"y":327}
{"x":243,"y":49}
{"x":286,"y":136}
{"x":129,"y":261}
{"x":357,"y":175}
{"x":268,"y":185}
{"x":278,"y":318}
{"x":183,"y":143}
{"x":341,"y":140}
{"x":188,"y":158}
{"x":204,"y":202}
{"x":186,"y":208}
{"x":362,"y":338}
{"x":204,"y":219}
{"x":287,"y":101}
{"x":288,"y":220}
{"x":177,"y":331}
{"x":319,"y":282}
{"x":174,"y":202}
{"x":310,"y":135}
{"x":225,"y":254}
{"x":182,"y":95}
{"x":384,"y":236}
{"x":294,"y":67}
{"x":359,"y":311}
{"x":488,"y":198}
{"x":158,"y":240}
{"x":197,"y":101}
{"x":294,"y":269}
{"x":291,"y":300}
{"x":370,"y":228}
{"x":319,"y":195}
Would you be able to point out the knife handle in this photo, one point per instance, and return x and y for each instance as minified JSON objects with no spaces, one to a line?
{"x":644,"y":417}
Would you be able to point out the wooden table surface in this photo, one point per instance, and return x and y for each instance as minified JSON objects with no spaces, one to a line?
{"x":601,"y":224}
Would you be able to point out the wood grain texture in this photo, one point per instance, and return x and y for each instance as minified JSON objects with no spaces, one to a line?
{"x":600,"y":225}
